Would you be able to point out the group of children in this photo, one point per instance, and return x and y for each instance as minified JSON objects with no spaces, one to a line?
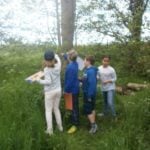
{"x":52,"y":88}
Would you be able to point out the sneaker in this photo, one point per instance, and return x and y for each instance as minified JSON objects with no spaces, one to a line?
{"x":60,"y":128}
{"x":73,"y":129}
{"x":93,"y":129}
{"x":50,"y":132}
{"x":100,"y":114}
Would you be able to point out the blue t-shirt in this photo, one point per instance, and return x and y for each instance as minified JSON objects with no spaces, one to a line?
{"x":71,"y":78}
{"x":90,"y":81}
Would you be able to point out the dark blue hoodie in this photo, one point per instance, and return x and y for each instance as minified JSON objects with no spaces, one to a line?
{"x":71,"y":78}
{"x":90,"y":81}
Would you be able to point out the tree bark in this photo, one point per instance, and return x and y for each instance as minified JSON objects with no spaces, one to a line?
{"x":137,"y":8}
{"x":67,"y":23}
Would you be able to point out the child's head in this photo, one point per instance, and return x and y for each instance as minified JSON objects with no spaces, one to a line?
{"x":49,"y":59}
{"x":106,"y":60}
{"x":72,"y":55}
{"x":89,"y":60}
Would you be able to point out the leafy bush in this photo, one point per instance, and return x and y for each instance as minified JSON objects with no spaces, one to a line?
{"x":136,"y":57}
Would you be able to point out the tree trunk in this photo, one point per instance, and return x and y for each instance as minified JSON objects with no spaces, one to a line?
{"x":58,"y":23}
{"x":136,"y":27}
{"x":137,"y":8}
{"x":67,"y":23}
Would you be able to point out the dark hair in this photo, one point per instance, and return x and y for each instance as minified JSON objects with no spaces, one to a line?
{"x":91,"y":59}
{"x":106,"y":56}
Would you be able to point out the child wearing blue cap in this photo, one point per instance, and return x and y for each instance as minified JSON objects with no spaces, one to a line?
{"x":52,"y":89}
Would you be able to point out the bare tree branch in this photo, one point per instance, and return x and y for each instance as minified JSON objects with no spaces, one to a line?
{"x":52,"y":38}
{"x":145,"y":5}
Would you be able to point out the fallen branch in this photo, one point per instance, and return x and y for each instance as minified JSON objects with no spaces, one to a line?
{"x":130,"y":88}
{"x":136,"y":86}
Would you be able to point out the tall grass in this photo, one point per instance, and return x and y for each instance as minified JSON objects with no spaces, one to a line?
{"x":22,"y":119}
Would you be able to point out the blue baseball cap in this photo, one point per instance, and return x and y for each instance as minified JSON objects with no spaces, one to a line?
{"x":49,"y":55}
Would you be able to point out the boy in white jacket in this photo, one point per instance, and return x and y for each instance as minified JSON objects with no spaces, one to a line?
{"x":107,"y":76}
{"x":52,"y":89}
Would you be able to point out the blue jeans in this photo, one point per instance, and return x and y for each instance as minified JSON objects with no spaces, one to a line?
{"x":109,"y":102}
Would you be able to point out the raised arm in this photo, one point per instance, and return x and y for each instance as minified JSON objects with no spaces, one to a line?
{"x":58,"y":63}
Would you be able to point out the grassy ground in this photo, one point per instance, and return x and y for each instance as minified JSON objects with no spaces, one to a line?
{"x":22,"y":120}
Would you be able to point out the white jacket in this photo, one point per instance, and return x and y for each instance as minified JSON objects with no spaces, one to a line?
{"x":105,"y":74}
{"x":52,"y":76}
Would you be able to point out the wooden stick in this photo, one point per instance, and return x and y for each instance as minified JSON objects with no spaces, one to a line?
{"x":35,"y":76}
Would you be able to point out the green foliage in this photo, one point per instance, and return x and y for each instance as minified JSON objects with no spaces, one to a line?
{"x":137,"y":55}
{"x":22,"y":118}
{"x":131,"y":58}
{"x":109,"y":19}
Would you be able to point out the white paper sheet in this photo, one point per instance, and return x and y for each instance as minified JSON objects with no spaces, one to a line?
{"x":80,"y":62}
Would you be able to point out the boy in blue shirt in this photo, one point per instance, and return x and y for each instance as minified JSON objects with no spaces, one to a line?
{"x":71,"y":86}
{"x":89,"y":90}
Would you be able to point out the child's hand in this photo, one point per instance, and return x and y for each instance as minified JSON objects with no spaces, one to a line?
{"x":36,"y":81}
{"x":80,"y":79}
{"x":89,"y":100}
{"x":107,"y":81}
{"x":80,"y":84}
